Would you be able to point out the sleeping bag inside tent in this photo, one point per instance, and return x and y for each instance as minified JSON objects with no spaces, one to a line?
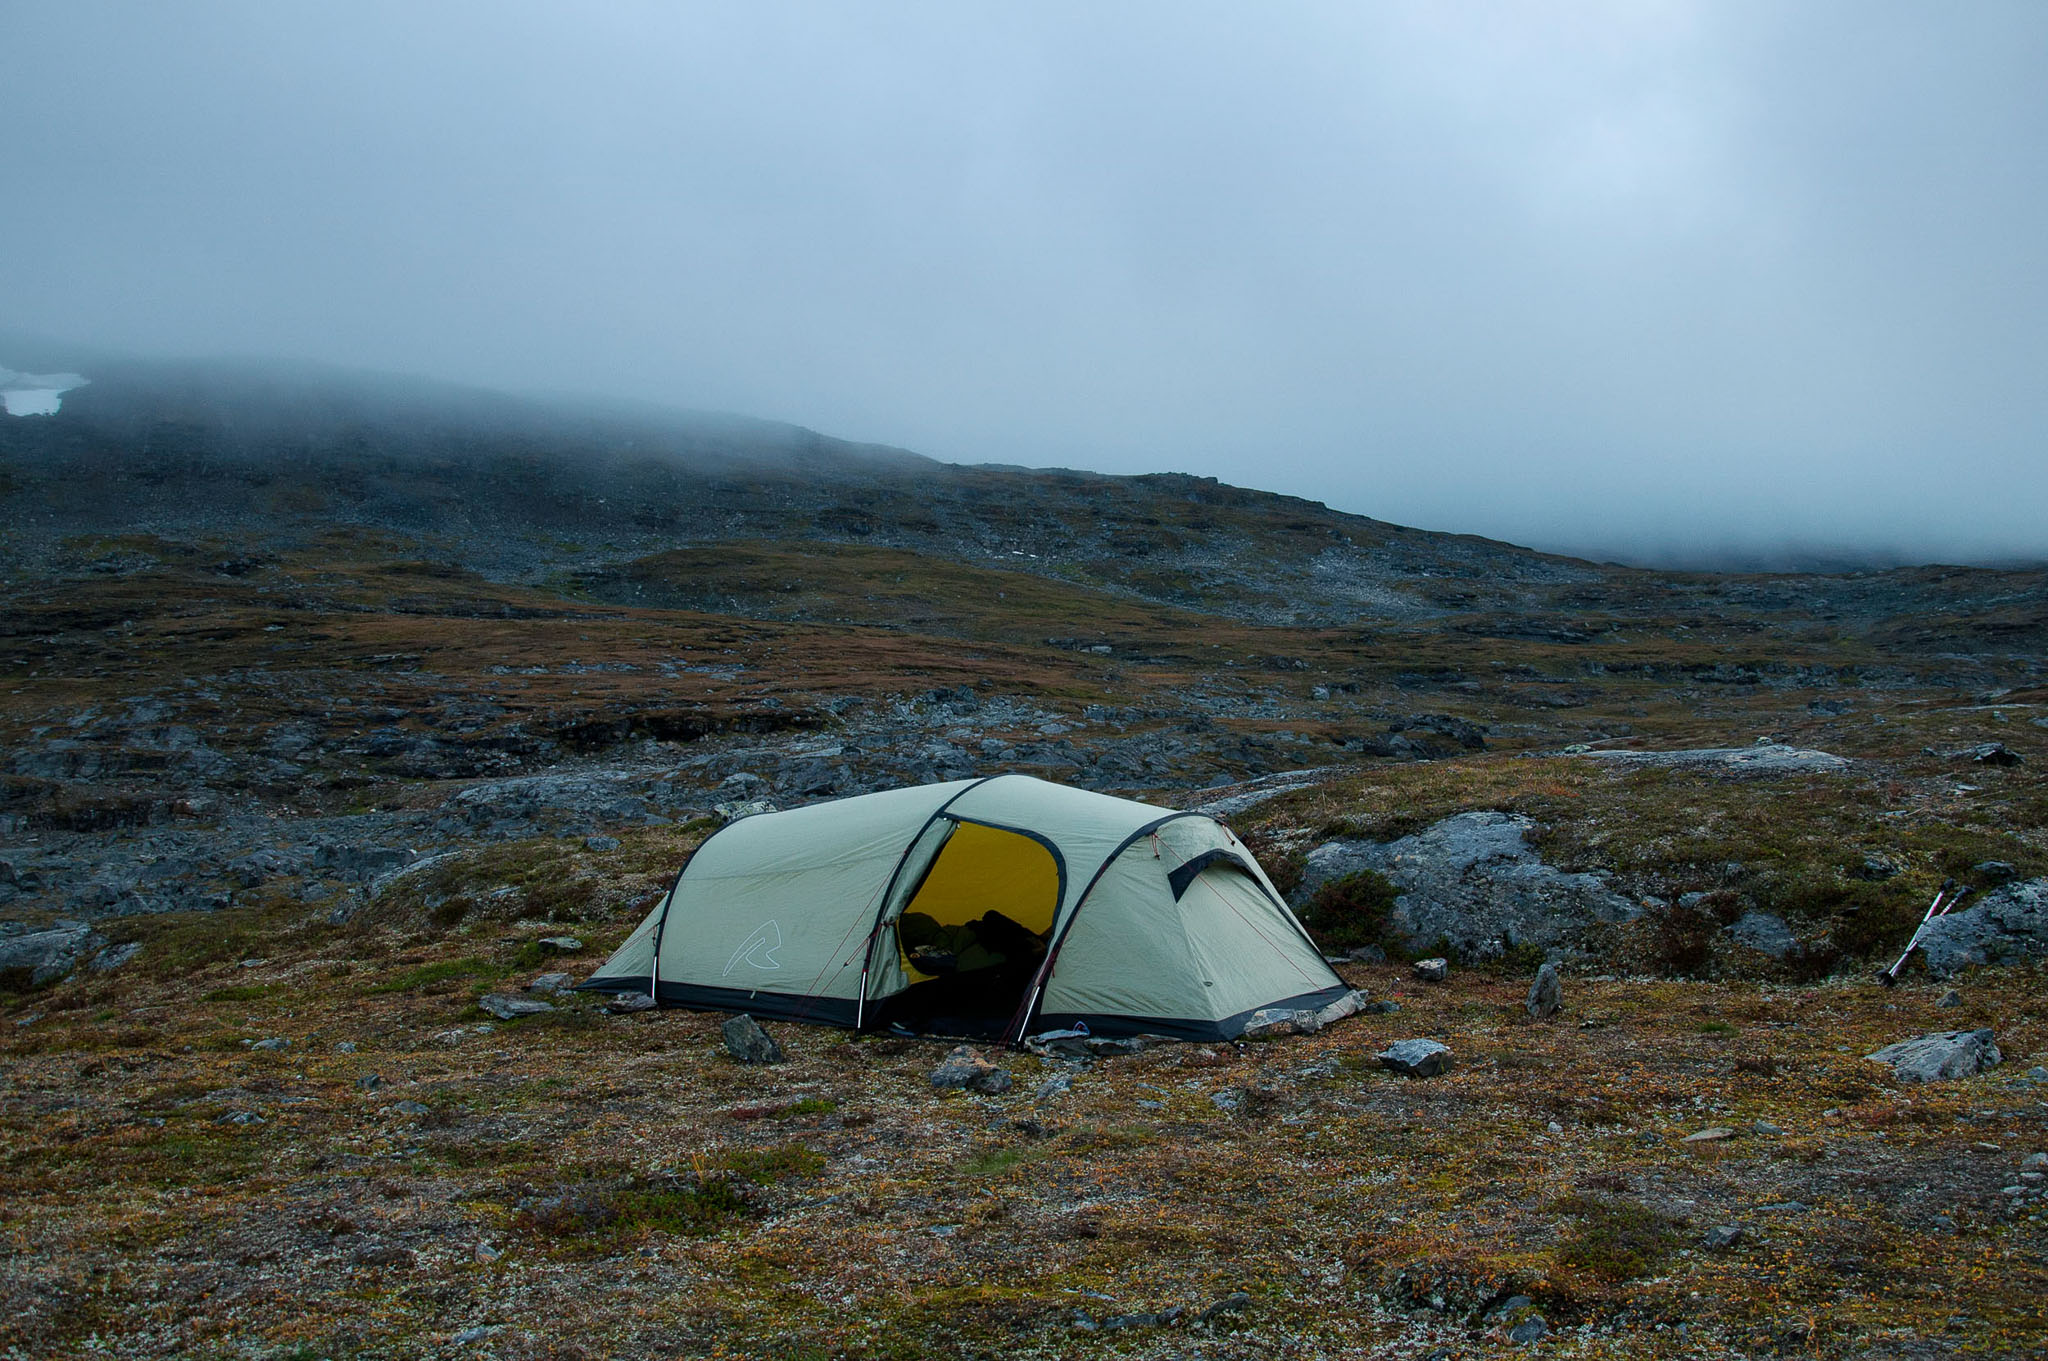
{"x":995,"y":907}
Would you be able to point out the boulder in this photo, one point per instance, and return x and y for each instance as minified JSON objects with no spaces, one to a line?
{"x":1938,"y":1057}
{"x":2008,"y":925}
{"x":966,"y":1069}
{"x":553,"y":984}
{"x":46,"y":956}
{"x":1416,"y":1058}
{"x":1546,"y":994}
{"x":114,"y":956}
{"x":257,"y":866}
{"x":1994,"y":872}
{"x":1474,"y":881}
{"x":747,"y":1042}
{"x":1431,"y":970}
{"x":1765,"y":933}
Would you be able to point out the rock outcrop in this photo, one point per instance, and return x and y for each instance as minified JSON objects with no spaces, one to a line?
{"x":2008,"y":925}
{"x":1473,"y":880}
{"x":1941,"y":1056}
{"x":1765,"y":933}
{"x":46,"y":956}
{"x":1762,"y":761}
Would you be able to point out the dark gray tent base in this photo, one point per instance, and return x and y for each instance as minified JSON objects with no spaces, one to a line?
{"x":771,"y":1005}
{"x":837,"y":1011}
{"x":1182,"y":1028}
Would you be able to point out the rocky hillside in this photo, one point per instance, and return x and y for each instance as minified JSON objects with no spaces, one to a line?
{"x":344,"y":721}
{"x":264,"y":460}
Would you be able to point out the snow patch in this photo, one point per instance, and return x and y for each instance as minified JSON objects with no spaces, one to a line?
{"x":36,"y":394}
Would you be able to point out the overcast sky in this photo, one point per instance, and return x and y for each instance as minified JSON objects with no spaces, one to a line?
{"x":1644,"y":278}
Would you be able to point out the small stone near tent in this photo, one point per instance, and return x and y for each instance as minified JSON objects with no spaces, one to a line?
{"x":967,"y":1069}
{"x":1546,"y":994}
{"x":995,"y":908}
{"x":1416,"y":1058}
{"x":747,"y":1042}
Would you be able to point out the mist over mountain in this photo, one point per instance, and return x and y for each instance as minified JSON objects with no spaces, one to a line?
{"x":269,"y":458}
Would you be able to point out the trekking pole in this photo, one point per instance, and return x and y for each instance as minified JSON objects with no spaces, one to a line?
{"x":1934,"y":909}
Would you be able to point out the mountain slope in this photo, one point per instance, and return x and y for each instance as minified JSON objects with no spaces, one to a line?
{"x":266,"y":459}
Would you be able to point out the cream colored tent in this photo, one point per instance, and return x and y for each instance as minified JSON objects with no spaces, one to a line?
{"x":999,"y":907}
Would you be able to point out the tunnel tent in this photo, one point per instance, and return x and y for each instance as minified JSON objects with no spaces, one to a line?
{"x":994,"y":907}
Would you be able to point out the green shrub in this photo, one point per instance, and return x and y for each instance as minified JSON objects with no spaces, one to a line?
{"x":666,"y":1205}
{"x":764,"y":1166}
{"x":1615,"y":1240}
{"x":442,"y":971}
{"x":1346,"y":913}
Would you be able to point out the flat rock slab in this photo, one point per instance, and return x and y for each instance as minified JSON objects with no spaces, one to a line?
{"x":511,"y":1008}
{"x":1231,"y":799}
{"x":1417,"y":1058}
{"x":1740,"y":763}
{"x":1942,"y":1056}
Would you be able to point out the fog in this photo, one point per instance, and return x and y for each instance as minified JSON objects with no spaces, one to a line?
{"x":1649,"y":280}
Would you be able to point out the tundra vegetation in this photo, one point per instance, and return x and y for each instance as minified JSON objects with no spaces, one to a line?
{"x":344,"y":760}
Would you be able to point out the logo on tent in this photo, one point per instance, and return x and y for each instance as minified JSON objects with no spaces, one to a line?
{"x":758,"y":949}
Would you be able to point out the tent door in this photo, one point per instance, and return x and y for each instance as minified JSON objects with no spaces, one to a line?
{"x":975,"y":930}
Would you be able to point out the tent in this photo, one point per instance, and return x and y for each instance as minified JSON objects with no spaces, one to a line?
{"x":994,"y":907}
